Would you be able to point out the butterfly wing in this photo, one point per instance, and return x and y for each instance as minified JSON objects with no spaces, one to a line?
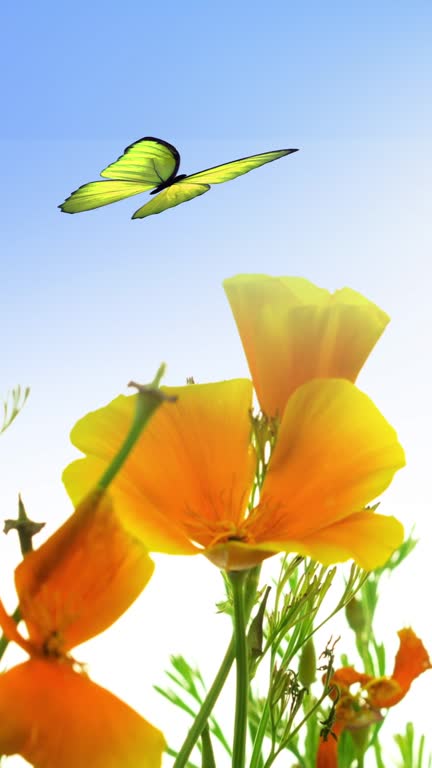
{"x":177,"y":193}
{"x":144,"y":165}
{"x":99,"y":193}
{"x":148,"y":160}
{"x":228,"y":171}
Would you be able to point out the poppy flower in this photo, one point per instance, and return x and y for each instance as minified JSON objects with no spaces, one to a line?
{"x":358,"y":710}
{"x":70,"y":589}
{"x":187,"y":485}
{"x":293,"y":331}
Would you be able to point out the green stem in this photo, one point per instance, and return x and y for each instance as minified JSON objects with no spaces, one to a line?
{"x":149,"y":398}
{"x":206,"y":708}
{"x":237,"y":579}
{"x":256,"y":758}
{"x":4,"y":642}
{"x":219,"y":681}
{"x":378,"y":758}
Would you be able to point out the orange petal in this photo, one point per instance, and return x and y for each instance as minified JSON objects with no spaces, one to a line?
{"x":57,"y":718}
{"x":82,"y":578}
{"x":334,"y":454}
{"x":347,"y":676}
{"x":327,"y":755}
{"x":188,"y":477}
{"x":411,"y":661}
{"x":292,"y":331}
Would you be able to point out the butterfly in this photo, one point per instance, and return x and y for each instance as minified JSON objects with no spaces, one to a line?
{"x":153,"y":164}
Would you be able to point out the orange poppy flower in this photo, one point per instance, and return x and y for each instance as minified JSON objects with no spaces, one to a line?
{"x":359,"y":710}
{"x":310,"y":332}
{"x":186,"y":485}
{"x":70,"y":589}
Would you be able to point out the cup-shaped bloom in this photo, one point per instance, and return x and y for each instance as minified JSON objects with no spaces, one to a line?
{"x":360,"y":709}
{"x":292,"y":331}
{"x":186,"y":487}
{"x":70,"y":589}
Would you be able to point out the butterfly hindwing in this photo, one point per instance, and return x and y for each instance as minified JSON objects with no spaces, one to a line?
{"x":99,"y":193}
{"x":228,"y":171}
{"x":177,"y":193}
{"x":149,"y":160}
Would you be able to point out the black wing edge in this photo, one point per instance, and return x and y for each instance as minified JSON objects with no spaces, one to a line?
{"x":166,"y":144}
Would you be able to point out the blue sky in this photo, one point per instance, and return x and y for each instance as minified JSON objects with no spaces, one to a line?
{"x":92,"y":300}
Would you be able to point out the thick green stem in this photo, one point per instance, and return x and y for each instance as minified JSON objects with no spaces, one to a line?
{"x":237,"y":579}
{"x":219,"y":681}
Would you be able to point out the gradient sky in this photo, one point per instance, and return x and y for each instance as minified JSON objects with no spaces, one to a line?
{"x":90,"y":301}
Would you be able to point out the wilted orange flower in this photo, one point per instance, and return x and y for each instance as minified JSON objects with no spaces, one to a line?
{"x":292,"y":331}
{"x":70,"y":589}
{"x":186,"y":486}
{"x":358,"y":710}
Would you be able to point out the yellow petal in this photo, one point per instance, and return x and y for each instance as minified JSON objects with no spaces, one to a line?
{"x":190,"y":473}
{"x":365,"y":537}
{"x":334,"y":454}
{"x":82,"y":578}
{"x":57,"y":718}
{"x":292,"y":331}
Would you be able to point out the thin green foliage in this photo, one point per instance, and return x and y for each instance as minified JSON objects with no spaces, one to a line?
{"x":12,"y":405}
{"x":286,"y":714}
{"x":412,"y":754}
{"x":188,"y":694}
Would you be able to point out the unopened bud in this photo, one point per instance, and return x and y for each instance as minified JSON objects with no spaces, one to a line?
{"x":355,"y":615}
{"x":307,"y":663}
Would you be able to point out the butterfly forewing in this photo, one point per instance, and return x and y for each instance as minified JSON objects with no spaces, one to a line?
{"x":228,"y":171}
{"x":151,"y":161}
{"x":99,"y":193}
{"x":170,"y":197}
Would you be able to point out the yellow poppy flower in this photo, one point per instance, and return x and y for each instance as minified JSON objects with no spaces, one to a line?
{"x":70,"y":589}
{"x":292,"y":331}
{"x":186,"y":486}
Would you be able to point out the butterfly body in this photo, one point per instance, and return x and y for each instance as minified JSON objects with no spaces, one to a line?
{"x":152,"y":164}
{"x":168,"y":183}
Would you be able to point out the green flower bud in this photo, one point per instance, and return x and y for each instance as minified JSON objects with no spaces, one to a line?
{"x":307,"y":663}
{"x":355,"y":615}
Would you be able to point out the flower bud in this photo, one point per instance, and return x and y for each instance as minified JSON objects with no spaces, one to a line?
{"x":355,"y":615}
{"x":307,"y":663}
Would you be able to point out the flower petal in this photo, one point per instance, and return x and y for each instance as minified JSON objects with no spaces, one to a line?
{"x":344,"y":677}
{"x":292,"y":331}
{"x":411,"y":661}
{"x":365,"y":537}
{"x":334,"y":454}
{"x":82,"y":578}
{"x":327,"y":755}
{"x":191,"y":471}
{"x":57,"y":718}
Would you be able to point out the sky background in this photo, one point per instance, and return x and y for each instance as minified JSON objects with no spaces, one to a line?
{"x":90,"y":301}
